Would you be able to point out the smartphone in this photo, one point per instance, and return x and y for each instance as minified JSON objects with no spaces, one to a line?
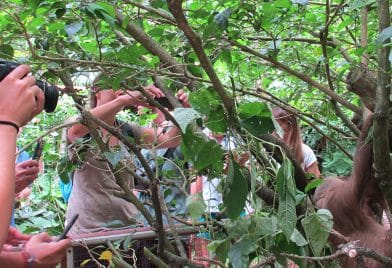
{"x":69,"y":226}
{"x":38,"y":149}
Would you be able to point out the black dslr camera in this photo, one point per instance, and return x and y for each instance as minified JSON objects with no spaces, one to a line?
{"x":51,"y":92}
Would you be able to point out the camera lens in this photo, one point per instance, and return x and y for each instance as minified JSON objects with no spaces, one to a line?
{"x":51,"y":92}
{"x":51,"y":95}
{"x":164,"y":101}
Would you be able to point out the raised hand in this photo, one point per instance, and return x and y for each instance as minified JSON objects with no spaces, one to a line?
{"x":182,"y":96}
{"x":154,"y":91}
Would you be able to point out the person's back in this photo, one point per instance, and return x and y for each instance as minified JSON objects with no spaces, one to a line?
{"x":93,"y":199}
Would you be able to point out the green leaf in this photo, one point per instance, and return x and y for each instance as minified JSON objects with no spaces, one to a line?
{"x":156,"y":32}
{"x":205,"y":101}
{"x":64,"y":168}
{"x":239,"y":252}
{"x":6,"y":51}
{"x":195,"y":206}
{"x":358,"y":4}
{"x":256,"y":118}
{"x":217,"y":120}
{"x":131,"y":54}
{"x":384,"y":35}
{"x":317,"y":227}
{"x":225,"y":56}
{"x":200,"y":151}
{"x":101,"y":10}
{"x":285,"y":181}
{"x":114,"y":157}
{"x":210,"y":153}
{"x":84,"y":262}
{"x":222,"y":19}
{"x":73,"y":28}
{"x":282,"y":3}
{"x":157,"y":3}
{"x":60,"y":12}
{"x":212,"y":29}
{"x":220,"y":248}
{"x":235,"y":192}
{"x":287,"y":217}
{"x":298,"y":239}
{"x":185,"y":116}
{"x":34,"y":4}
{"x":346,"y":22}
{"x":265,"y":226}
{"x":106,"y":8}
{"x":313,"y":184}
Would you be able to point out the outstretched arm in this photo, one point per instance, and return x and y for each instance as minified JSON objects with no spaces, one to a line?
{"x":105,"y":112}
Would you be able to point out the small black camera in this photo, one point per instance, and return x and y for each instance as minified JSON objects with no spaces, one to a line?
{"x":165,"y":103}
{"x":51,"y":92}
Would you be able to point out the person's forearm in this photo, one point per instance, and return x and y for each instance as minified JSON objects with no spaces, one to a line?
{"x":106,"y":112}
{"x":7,"y":177}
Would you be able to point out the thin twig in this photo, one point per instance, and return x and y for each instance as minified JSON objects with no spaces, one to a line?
{"x":154,"y":259}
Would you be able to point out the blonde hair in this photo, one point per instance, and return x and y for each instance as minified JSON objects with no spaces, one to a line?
{"x":293,"y":139}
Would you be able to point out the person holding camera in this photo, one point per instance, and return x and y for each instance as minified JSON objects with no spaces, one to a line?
{"x":93,"y":195}
{"x":20,"y":100}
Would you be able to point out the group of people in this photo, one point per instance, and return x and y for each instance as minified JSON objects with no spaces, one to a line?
{"x":95,"y":193}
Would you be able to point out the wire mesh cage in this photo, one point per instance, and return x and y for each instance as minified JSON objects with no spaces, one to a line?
{"x":92,"y":250}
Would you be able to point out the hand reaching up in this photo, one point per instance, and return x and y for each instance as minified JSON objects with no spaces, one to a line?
{"x":182,"y":96}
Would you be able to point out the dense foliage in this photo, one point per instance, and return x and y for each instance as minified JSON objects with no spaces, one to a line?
{"x":251,"y":55}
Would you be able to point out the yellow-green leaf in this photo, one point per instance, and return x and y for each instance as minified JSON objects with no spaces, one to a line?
{"x":106,"y":255}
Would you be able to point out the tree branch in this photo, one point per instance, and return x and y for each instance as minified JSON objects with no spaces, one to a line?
{"x":303,"y":116}
{"x":154,"y":48}
{"x":381,"y":145}
{"x":299,"y":75}
{"x":349,"y":250}
{"x":158,"y":12}
{"x":175,"y":7}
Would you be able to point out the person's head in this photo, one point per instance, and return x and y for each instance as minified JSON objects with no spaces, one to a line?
{"x":291,"y":131}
